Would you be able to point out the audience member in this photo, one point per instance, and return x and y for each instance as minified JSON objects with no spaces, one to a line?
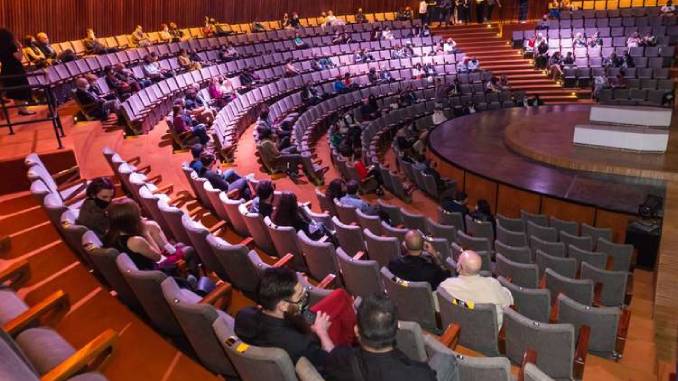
{"x":351,"y":199}
{"x":182,"y":122}
{"x":95,"y":105}
{"x":93,"y":46}
{"x":139,"y":37}
{"x":196,"y":105}
{"x":263,"y":202}
{"x":299,"y":42}
{"x":595,"y":40}
{"x":93,"y":215}
{"x":634,"y":40}
{"x":471,"y":287}
{"x":228,"y":53}
{"x":228,"y":181}
{"x":195,"y":164}
{"x":668,"y":8}
{"x":176,"y":33}
{"x":152,"y":69}
{"x":294,"y":21}
{"x":360,"y":17}
{"x":456,"y":204}
{"x":420,"y":262}
{"x":46,"y":48}
{"x":275,"y":160}
{"x":33,"y":54}
{"x":483,"y":212}
{"x":186,"y":63}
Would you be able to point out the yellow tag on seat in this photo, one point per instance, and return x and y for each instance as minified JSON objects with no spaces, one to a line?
{"x":242,"y":347}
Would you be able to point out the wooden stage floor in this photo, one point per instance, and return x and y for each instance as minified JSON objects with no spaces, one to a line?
{"x":476,"y":143}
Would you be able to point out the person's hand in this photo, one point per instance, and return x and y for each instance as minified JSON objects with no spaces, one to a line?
{"x":322,"y":323}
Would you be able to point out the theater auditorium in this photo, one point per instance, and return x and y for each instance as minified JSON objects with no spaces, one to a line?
{"x":340,"y":190}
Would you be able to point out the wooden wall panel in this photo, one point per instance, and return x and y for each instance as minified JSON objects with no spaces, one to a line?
{"x":67,"y":19}
{"x":477,"y":188}
{"x":567,"y":210}
{"x":511,"y":200}
{"x":617,"y":221}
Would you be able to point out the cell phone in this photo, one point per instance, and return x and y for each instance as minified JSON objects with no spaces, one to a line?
{"x":309,"y":316}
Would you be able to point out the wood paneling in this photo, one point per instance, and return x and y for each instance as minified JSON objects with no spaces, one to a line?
{"x":617,"y":221}
{"x":67,"y":19}
{"x":511,"y":200}
{"x":566,"y":210}
{"x":478,"y":188}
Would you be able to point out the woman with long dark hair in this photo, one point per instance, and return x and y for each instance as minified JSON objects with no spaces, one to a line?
{"x":15,"y":88}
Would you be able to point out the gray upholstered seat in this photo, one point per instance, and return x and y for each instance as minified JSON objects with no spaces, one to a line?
{"x":468,"y":242}
{"x":535,"y":303}
{"x":570,"y":227}
{"x":554,"y":343}
{"x":173,"y":216}
{"x":232,"y":209}
{"x":315,"y":294}
{"x":603,"y":322}
{"x":442,"y":231}
{"x":40,"y":173}
{"x":350,"y":237}
{"x":393,"y":212}
{"x":582,"y":242}
{"x":73,"y":232}
{"x":346,"y":214}
{"x":361,"y":277}
{"x":381,"y":249}
{"x":516,"y":225}
{"x":479,"y":330}
{"x":366,"y":221}
{"x":614,"y":284}
{"x":149,"y":200}
{"x":325,"y":203}
{"x":258,"y":230}
{"x":54,"y":207}
{"x":511,"y":238}
{"x":413,"y":299}
{"x":199,"y":188}
{"x":544,"y":233}
{"x":533,"y":373}
{"x":414,"y":221}
{"x":11,"y":305}
{"x":621,"y":254}
{"x":539,"y":219}
{"x":241,"y":272}
{"x":320,"y":258}
{"x":392,"y":231}
{"x":522,"y":274}
{"x":598,"y":260}
{"x":103,"y":260}
{"x":253,"y":363}
{"x":563,"y":266}
{"x":198,"y":233}
{"x":479,"y":229}
{"x":596,"y":233}
{"x":146,"y":287}
{"x":451,"y":219}
{"x":556,"y":249}
{"x":284,"y":240}
{"x":521,"y":254}
{"x":212,"y":194}
{"x":580,"y":290}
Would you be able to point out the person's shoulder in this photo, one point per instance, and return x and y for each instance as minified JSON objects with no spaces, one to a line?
{"x":417,"y":370}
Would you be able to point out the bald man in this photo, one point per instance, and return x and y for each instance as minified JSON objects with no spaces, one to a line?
{"x":93,"y":104}
{"x":469,"y":286}
{"x":420,"y":262}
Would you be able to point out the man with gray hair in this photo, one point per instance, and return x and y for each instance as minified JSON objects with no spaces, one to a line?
{"x":470,"y":286}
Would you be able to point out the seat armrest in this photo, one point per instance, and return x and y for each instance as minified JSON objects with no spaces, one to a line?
{"x":216,"y":229}
{"x":75,"y":170}
{"x":622,"y":331}
{"x":51,"y":309}
{"x":529,"y":357}
{"x":220,"y":296}
{"x":581,"y":351}
{"x":82,"y":184}
{"x":329,"y":279}
{"x":284,"y":261}
{"x":249,"y":242}
{"x":359,"y":255}
{"x":450,"y":337}
{"x":91,"y":356}
{"x":169,"y":188}
{"x":16,"y":274}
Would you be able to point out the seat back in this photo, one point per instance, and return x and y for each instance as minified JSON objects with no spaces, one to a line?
{"x":532,"y":373}
{"x":345,"y":213}
{"x":538,"y":219}
{"x":284,"y":240}
{"x":325,"y":203}
{"x":580,"y":290}
{"x":521,"y":254}
{"x":251,"y":362}
{"x":554,"y":343}
{"x":361,"y":277}
{"x":594,"y":259}
{"x":350,"y":237}
{"x":479,"y":229}
{"x":473,"y":243}
{"x":381,"y":249}
{"x":393,"y":212}
{"x":410,"y":340}
{"x":582,"y":242}
{"x":414,"y":221}
{"x":522,"y":274}
{"x":603,"y":322}
{"x":479,"y":330}
{"x":596,"y":233}
{"x":516,"y":225}
{"x":414,"y":300}
{"x":196,"y":321}
{"x":372,"y":223}
{"x":146,"y":287}
{"x":240,"y":271}
{"x":392,"y":231}
{"x":54,"y":207}
{"x":620,"y":253}
{"x":258,"y":230}
{"x":215,"y":201}
{"x":451,"y":218}
{"x":569,"y":227}
{"x":149,"y":200}
{"x":564,"y":266}
{"x":437,"y":230}
{"x":614,"y":284}
{"x":511,"y":238}
{"x":173,"y":217}
{"x":73,"y":232}
{"x":544,"y":233}
{"x":555,"y":249}
{"x":319,"y":256}
{"x":231,"y":207}
{"x":534,"y":303}
{"x":198,"y":233}
{"x":14,"y":365}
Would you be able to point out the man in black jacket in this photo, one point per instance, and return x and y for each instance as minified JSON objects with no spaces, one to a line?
{"x":420,"y":262}
{"x":93,"y":104}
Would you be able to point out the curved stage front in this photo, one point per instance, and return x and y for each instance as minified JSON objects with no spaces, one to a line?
{"x":473,"y":150}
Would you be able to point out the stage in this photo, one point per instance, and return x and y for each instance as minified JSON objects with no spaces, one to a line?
{"x":487,"y":153}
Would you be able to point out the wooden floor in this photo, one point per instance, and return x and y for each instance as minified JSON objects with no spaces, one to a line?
{"x":466,"y":143}
{"x":142,"y":353}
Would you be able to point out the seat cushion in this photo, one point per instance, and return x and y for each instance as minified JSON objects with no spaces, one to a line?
{"x":12,"y":367}
{"x":90,"y":376}
{"x":44,"y":348}
{"x":11,"y":305}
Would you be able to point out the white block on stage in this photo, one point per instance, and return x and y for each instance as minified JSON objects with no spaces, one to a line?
{"x":633,"y":138}
{"x":635,"y":116}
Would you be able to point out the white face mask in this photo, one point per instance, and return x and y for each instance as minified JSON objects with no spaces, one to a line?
{"x":87,"y":87}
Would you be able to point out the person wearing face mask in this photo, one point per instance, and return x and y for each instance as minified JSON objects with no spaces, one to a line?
{"x":93,"y":212}
{"x":93,"y":104}
{"x":283,"y":319}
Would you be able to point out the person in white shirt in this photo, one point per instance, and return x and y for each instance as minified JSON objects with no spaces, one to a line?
{"x":633,"y":41}
{"x":423,"y":11}
{"x":473,"y":64}
{"x":669,"y":7}
{"x":469,"y":286}
{"x":450,"y":46}
{"x":387,"y":34}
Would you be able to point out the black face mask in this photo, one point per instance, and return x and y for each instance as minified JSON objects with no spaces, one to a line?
{"x":101,"y":203}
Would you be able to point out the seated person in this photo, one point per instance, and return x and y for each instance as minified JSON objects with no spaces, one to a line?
{"x":295,"y":22}
{"x":649,"y":40}
{"x":195,"y":164}
{"x":152,"y":69}
{"x":290,"y":69}
{"x":376,"y":34}
{"x":48,"y":51}
{"x":456,"y":204}
{"x":196,"y":105}
{"x":288,"y":213}
{"x":285,"y":21}
{"x":569,"y":59}
{"x":309,"y":96}
{"x":409,"y":50}
{"x":33,"y":54}
{"x":93,"y":46}
{"x":361,"y":56}
{"x":417,"y":72}
{"x":492,"y":86}
{"x":483,"y":212}
{"x":100,"y":192}
{"x":420,"y":262}
{"x":579,"y":40}
{"x":668,"y":8}
{"x":121,"y":88}
{"x":273,"y":159}
{"x":278,"y":320}
{"x":185,"y":61}
{"x":469,"y":286}
{"x":628,"y":61}
{"x":370,"y":109}
{"x":555,"y":65}
{"x":263,"y":202}
{"x":406,"y":98}
{"x":228,"y":181}
{"x":450,"y":46}
{"x":93,"y":104}
{"x":221,"y":92}
{"x":360,"y":17}
{"x":352,"y":199}
{"x":377,"y":358}
{"x":258,"y":27}
{"x":247,"y":77}
{"x":339,"y":86}
{"x":228,"y":53}
{"x":387,"y":34}
{"x":164,"y":35}
{"x":176,"y":33}
{"x":634,"y":40}
{"x":127,"y":75}
{"x":210,"y":27}
{"x":332,"y":20}
{"x":595,"y":40}
{"x":299,"y":42}
{"x":385,"y":76}
{"x":182,"y":122}
{"x":139,"y":38}
{"x":373,"y":76}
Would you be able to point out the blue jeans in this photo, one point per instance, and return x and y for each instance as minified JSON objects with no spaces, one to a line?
{"x":201,"y":132}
